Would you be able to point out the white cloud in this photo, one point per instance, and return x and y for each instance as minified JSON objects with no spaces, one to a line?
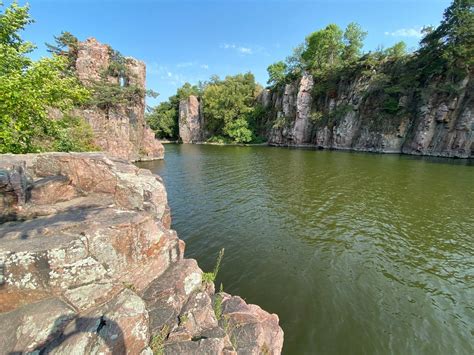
{"x":406,"y":32}
{"x":185,"y":64}
{"x":165,"y":74}
{"x":245,"y":50}
{"x":239,"y":49}
{"x":204,"y":66}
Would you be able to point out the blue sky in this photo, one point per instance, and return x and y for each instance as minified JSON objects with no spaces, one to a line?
{"x":191,"y":40}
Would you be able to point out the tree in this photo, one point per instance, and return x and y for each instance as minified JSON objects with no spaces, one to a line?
{"x":277,"y":73}
{"x":163,"y":119}
{"x":187,"y":90}
{"x":295,"y":63}
{"x":29,"y":90}
{"x":324,"y":48}
{"x":354,"y":40}
{"x":453,"y":39}
{"x":66,"y":45}
{"x":398,"y":50}
{"x":228,"y":106}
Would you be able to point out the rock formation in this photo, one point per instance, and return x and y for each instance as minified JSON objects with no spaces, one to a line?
{"x":191,"y":126}
{"x":120,"y":130}
{"x":438,"y":124}
{"x":89,"y":265}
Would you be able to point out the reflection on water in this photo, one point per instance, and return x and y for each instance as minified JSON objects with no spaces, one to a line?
{"x":357,"y":253}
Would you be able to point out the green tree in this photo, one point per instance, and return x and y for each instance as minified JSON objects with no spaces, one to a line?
{"x":277,"y":73}
{"x":453,"y":39}
{"x":353,"y":41}
{"x":163,"y":119}
{"x":324,"y":48}
{"x":29,"y":90}
{"x":398,"y":50}
{"x":66,"y":45}
{"x":187,"y":90}
{"x":228,"y":105}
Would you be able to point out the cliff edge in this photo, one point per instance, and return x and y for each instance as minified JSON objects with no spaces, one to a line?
{"x":89,"y":264}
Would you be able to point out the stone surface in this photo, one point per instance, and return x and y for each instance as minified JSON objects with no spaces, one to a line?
{"x":121,"y":130}
{"x":302,"y":129}
{"x":191,"y":126}
{"x":427,"y":124}
{"x":89,"y":264}
{"x":251,"y":329}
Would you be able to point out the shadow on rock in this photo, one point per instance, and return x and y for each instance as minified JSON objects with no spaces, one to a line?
{"x":82,"y":335}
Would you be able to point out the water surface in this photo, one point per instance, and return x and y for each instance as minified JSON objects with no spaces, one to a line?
{"x":357,"y":253}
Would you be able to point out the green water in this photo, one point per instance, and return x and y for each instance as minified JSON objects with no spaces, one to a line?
{"x":357,"y":253}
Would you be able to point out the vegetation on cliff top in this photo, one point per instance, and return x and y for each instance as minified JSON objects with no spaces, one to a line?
{"x":334,"y":57}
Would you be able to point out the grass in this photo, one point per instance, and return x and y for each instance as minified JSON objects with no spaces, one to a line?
{"x":130,"y":286}
{"x":211,"y":276}
{"x":183,"y":318}
{"x":157,"y":342}
{"x":217,"y":304}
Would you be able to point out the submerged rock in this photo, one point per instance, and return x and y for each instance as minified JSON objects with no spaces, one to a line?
{"x":89,"y":264}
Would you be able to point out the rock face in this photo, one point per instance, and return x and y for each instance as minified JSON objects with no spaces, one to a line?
{"x":191,"y":125}
{"x":121,"y":130}
{"x":438,"y":124}
{"x":89,"y":264}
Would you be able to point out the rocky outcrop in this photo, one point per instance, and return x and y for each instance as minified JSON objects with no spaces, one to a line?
{"x":120,"y":130}
{"x":191,"y":125}
{"x":433,"y":122}
{"x":89,"y":264}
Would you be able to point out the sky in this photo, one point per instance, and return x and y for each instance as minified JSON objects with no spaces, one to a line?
{"x":188,"y":41}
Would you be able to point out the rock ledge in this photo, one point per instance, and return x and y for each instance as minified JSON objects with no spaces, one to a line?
{"x":89,"y":264}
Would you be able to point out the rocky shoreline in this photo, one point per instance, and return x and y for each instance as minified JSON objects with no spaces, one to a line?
{"x":89,"y":264}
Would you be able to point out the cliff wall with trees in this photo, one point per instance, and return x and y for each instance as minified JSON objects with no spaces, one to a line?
{"x":85,"y":97}
{"x":329,"y":94}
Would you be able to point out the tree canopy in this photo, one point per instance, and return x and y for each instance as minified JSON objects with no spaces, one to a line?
{"x":30,"y":90}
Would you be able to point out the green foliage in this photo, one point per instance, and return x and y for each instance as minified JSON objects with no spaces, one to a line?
{"x":219,"y":140}
{"x":217,"y":303}
{"x":107,"y":95}
{"x":277,"y":73}
{"x":118,"y":67}
{"x":390,"y":105}
{"x":354,"y":40}
{"x":158,"y":340}
{"x":163,"y":119}
{"x":324,"y":48}
{"x":398,"y":50}
{"x":211,"y":276}
{"x":316,"y":116}
{"x":66,"y":45}
{"x":187,"y":90}
{"x":228,"y":105}
{"x":73,"y":134}
{"x":452,"y":42}
{"x":30,"y":89}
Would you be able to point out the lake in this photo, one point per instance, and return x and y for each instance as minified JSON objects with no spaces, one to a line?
{"x":357,"y":253}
